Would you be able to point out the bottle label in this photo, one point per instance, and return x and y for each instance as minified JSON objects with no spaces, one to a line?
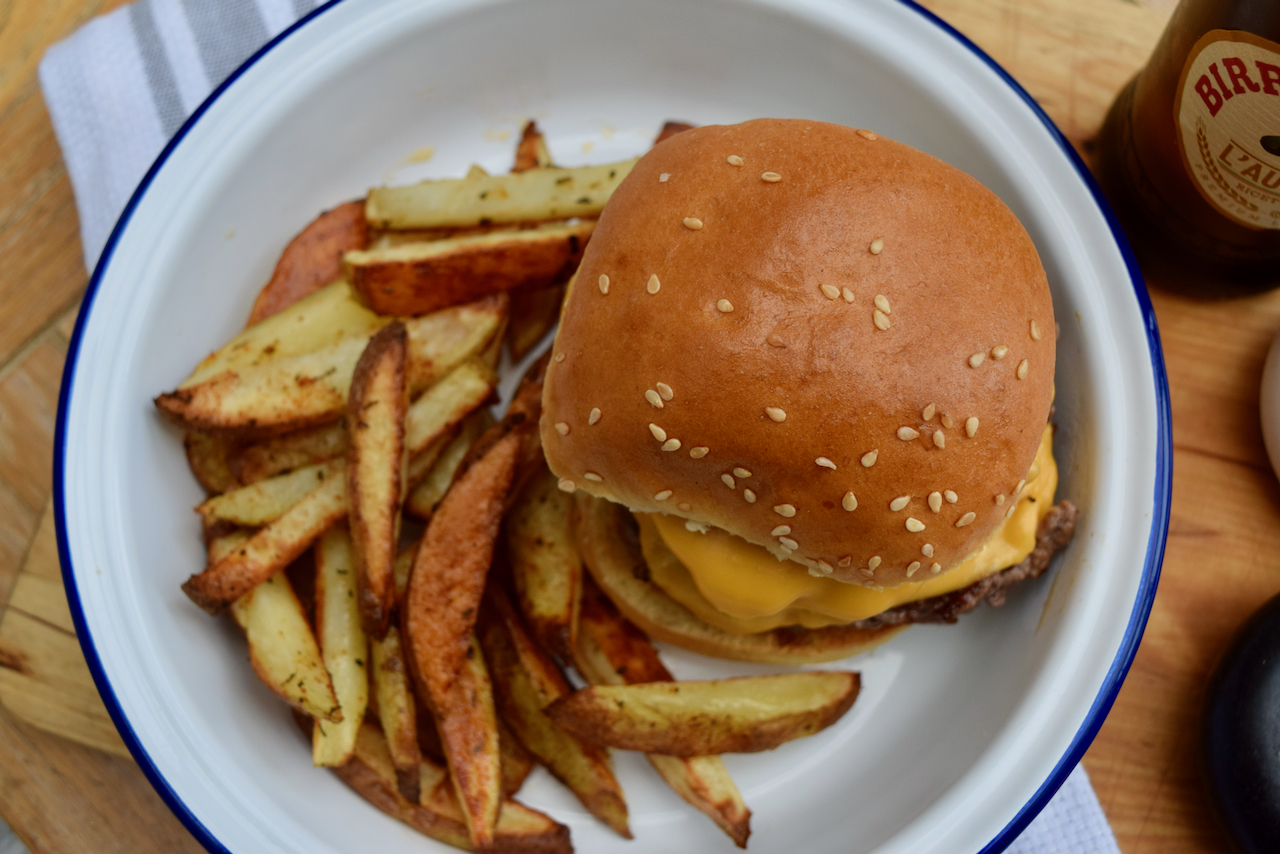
{"x":1228,"y":115}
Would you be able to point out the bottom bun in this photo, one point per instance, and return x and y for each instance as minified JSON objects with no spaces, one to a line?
{"x":609,"y":541}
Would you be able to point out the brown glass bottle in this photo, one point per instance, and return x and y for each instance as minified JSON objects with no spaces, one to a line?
{"x":1189,"y":154}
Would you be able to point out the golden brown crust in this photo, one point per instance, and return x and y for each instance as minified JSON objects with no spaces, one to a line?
{"x":849,"y":211}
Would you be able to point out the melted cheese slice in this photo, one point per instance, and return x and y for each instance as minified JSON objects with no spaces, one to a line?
{"x":740,"y":587}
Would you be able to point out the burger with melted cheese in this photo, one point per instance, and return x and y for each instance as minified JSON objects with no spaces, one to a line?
{"x":801,"y":390}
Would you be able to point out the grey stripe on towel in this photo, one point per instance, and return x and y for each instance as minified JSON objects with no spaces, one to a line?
{"x":160,"y":80}
{"x":227,"y":32}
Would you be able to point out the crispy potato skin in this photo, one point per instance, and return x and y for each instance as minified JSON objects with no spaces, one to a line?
{"x":209,"y":456}
{"x":312,"y":259}
{"x":545,"y":565}
{"x":533,"y":312}
{"x":531,"y":150}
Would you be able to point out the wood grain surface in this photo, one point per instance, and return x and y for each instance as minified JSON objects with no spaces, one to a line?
{"x":1071,"y":55}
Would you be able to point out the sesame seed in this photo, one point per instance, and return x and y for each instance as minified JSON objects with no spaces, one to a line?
{"x":815,"y":572}
{"x":927,"y":550}
{"x":869,"y":458}
{"x":929,"y":410}
{"x":604,"y":284}
{"x":775,"y":413}
{"x":593,"y":477}
{"x":780,"y":531}
{"x":1022,"y":369}
{"x":749,"y":495}
{"x":775,"y":340}
{"x":699,"y":452}
{"x":936,"y":568}
{"x":966,"y":519}
{"x":566,"y":485}
{"x":849,"y":502}
{"x":906,"y":434}
{"x":692,"y":223}
{"x":971,"y":427}
{"x":947,"y":422}
{"x":867,"y":573}
{"x":695,"y":528}
{"x":1035,"y":331}
{"x":829,"y":291}
{"x":874,"y":563}
{"x":724,"y":305}
{"x":662,"y":179}
{"x":594,"y":416}
{"x":939,"y":439}
{"x":653,"y":285}
{"x":663,"y":495}
{"x":658,"y":432}
{"x":771,"y":177}
{"x":826,"y":568}
{"x":847,"y":294}
{"x":845,"y":561}
{"x":1018,"y":489}
{"x":654,"y":400}
{"x":741,"y":472}
{"x":914,"y":525}
{"x":684,"y":506}
{"x":559,"y":357}
{"x":881,"y":320}
{"x":935,"y":502}
{"x":951,"y":497}
{"x":1000,"y":499}
{"x":785,"y":510}
{"x":899,"y":503}
{"x":727,"y":480}
{"x":825,"y":463}
{"x":877,"y":246}
{"x":733,"y":160}
{"x":671,"y":445}
{"x":911,"y":569}
{"x":1009,"y":512}
{"x":789,"y":543}
{"x":866,"y":134}
{"x":999,"y":351}
{"x":562,"y":428}
{"x":976,"y":359}
{"x":665,"y":391}
{"x":882,"y":303}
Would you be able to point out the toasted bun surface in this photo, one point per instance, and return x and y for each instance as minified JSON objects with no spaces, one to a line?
{"x":758,"y":345}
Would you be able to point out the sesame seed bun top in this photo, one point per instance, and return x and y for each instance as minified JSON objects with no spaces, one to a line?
{"x":821,"y":340}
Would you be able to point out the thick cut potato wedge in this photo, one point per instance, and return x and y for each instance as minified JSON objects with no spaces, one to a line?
{"x":517,"y":762}
{"x":321,"y":320}
{"x":531,"y":150}
{"x":745,"y":714}
{"x":519,"y":829}
{"x":343,"y":646}
{"x":434,"y":482}
{"x":533,"y":313}
{"x":266,"y":501}
{"x":612,"y":651}
{"x":397,"y":710}
{"x":209,"y":457}
{"x":419,"y":277}
{"x":441,"y":408}
{"x":269,"y":457}
{"x":282,"y":649}
{"x":544,"y":560}
{"x":271,"y":549}
{"x":285,"y":394}
{"x":525,"y":682}
{"x":375,"y":470}
{"x":312,"y":259}
{"x":530,"y":196}
{"x":439,"y":614}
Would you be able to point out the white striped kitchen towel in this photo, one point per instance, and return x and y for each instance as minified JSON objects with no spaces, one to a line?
{"x":120,"y":86}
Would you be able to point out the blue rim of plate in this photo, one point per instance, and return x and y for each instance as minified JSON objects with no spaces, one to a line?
{"x":1155,"y":544}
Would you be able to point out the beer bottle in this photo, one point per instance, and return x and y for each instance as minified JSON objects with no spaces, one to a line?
{"x":1189,"y":154}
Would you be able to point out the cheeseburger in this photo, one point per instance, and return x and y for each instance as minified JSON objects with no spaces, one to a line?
{"x":802,"y":388}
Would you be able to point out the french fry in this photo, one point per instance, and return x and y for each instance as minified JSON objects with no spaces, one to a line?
{"x":434,"y":482}
{"x":343,"y":646}
{"x":612,"y":651}
{"x":420,"y":277}
{"x":271,"y":549}
{"x":518,"y":830}
{"x":751,"y":713}
{"x":530,"y":196}
{"x":533,"y":313}
{"x":544,"y":560}
{"x":208,"y":455}
{"x":670,"y":129}
{"x":294,"y":392}
{"x":375,"y":470}
{"x":312,"y":259}
{"x":397,"y":710}
{"x":269,"y":457}
{"x":441,"y":408}
{"x":517,"y":762}
{"x":439,"y":614}
{"x":265,"y":501}
{"x":531,"y":150}
{"x":526,"y":681}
